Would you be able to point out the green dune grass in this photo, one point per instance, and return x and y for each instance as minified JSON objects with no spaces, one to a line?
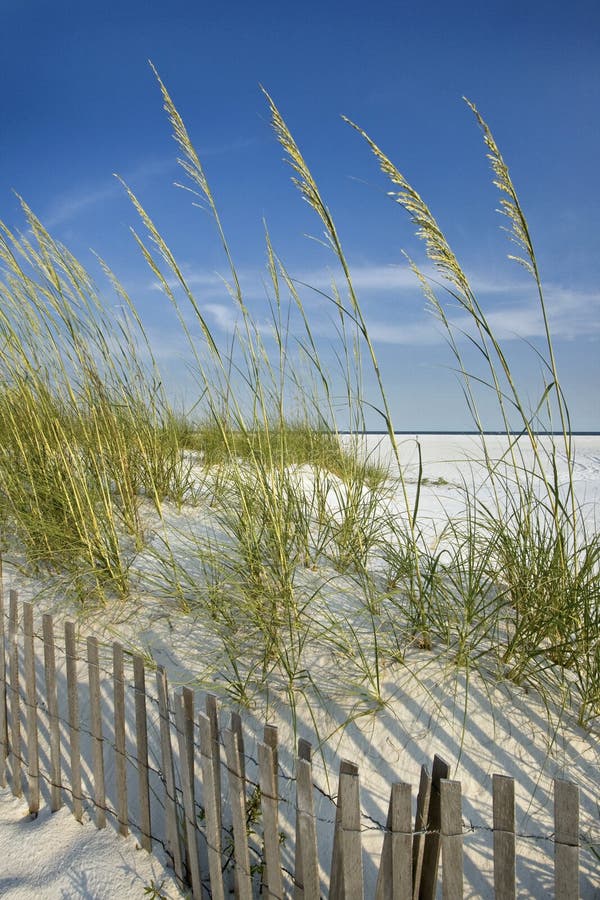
{"x":92,"y":452}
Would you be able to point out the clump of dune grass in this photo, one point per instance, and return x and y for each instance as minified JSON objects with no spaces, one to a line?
{"x":517,"y":576}
{"x":85,"y":430}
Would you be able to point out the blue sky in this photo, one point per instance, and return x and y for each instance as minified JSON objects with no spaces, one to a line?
{"x":79,"y":102}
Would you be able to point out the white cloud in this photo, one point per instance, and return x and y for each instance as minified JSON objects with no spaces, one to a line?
{"x":366,"y":278}
{"x":210,"y":283}
{"x":571,"y":313}
{"x":511,"y":306}
{"x":72,"y":205}
{"x":373,"y":278}
{"x":223,"y":316}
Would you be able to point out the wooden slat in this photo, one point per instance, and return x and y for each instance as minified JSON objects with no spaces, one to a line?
{"x":421,"y":819}
{"x":53,"y":720}
{"x":310,"y":862}
{"x":141,"y":743}
{"x":188,"y":705}
{"x":431,"y":852}
{"x":236,"y":727}
{"x":211,"y":802}
{"x":352,"y":868}
{"x":566,"y":837}
{"x":451,"y":839}
{"x":237,"y":800}
{"x":304,"y":749}
{"x":395,"y":871}
{"x":271,"y":739}
{"x":171,"y":812}
{"x":3,"y":711}
{"x":33,"y":763}
{"x":120,"y":748}
{"x":96,"y":729}
{"x":187,"y":698}
{"x":15,"y":697}
{"x":187,"y":781}
{"x":74,"y":733}
{"x":270,"y":814}
{"x":304,"y":804}
{"x":307,"y":886}
{"x":401,"y":841}
{"x":504,"y":837}
{"x":212,"y":711}
{"x":347,"y":790}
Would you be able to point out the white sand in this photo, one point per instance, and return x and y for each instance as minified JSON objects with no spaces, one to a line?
{"x":54,"y":856}
{"x":479,"y":727}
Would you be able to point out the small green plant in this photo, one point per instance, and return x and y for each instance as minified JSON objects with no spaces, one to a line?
{"x":154,"y":890}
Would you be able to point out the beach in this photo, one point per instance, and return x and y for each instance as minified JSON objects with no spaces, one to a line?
{"x":388,"y":715}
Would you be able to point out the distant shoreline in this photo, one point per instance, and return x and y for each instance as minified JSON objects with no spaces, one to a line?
{"x":418,"y":431}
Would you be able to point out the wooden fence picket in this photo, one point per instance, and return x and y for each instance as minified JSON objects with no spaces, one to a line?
{"x":421,"y":820}
{"x":120,"y":748}
{"x":186,"y":765}
{"x":395,"y":871}
{"x":212,"y":803}
{"x":335,"y":869}
{"x":237,"y":800}
{"x":503,"y":789}
{"x":307,"y":881}
{"x":3,"y":712}
{"x":432,"y":847}
{"x":271,"y":739}
{"x":53,"y":719}
{"x":236,"y":727}
{"x":189,"y":719}
{"x":306,"y":865}
{"x":73,"y":714}
{"x":33,"y":763}
{"x":451,"y":839}
{"x":270,"y":813}
{"x":171,"y":808}
{"x":187,"y":735}
{"x":141,"y":749}
{"x":351,"y":842}
{"x":96,"y":730}
{"x":212,"y":711}
{"x":566,"y":836}
{"x":343,"y":869}
{"x":15,"y":697}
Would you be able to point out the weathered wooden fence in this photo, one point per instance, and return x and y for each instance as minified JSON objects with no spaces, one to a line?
{"x":213,"y":844}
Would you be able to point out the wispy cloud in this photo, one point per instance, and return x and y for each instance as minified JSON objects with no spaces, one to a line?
{"x":222,"y":316}
{"x":572,"y":314}
{"x":72,"y":205}
{"x":395,"y":308}
{"x":372,"y":278}
{"x":375,"y":279}
{"x":84,"y":198}
{"x":210,"y":281}
{"x":512,"y":307}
